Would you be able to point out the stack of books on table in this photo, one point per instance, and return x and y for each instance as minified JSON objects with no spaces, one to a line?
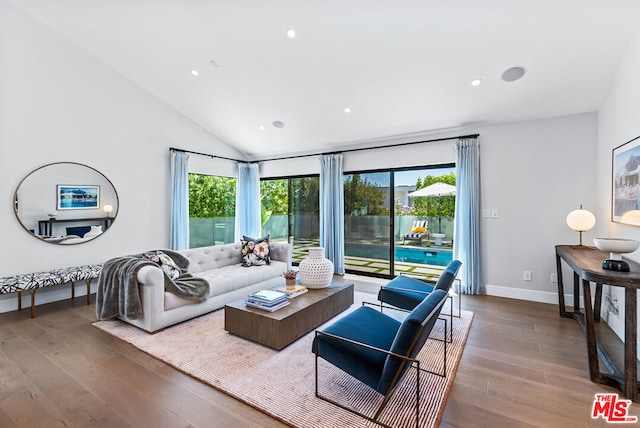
{"x":267,"y":300}
{"x":292,"y":292}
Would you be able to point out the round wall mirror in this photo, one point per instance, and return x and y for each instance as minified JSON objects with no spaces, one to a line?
{"x":65,"y":203}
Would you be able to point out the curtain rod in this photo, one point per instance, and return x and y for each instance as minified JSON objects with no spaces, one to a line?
{"x":371,"y":148}
{"x":331,"y":153}
{"x":173,"y":149}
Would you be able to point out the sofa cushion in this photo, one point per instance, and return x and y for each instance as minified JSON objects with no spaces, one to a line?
{"x":255,"y":252}
{"x":234,"y":277}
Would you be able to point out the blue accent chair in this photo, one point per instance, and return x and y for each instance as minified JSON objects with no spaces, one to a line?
{"x":377,"y":349}
{"x":406,"y":293}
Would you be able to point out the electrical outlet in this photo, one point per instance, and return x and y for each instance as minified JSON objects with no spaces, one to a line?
{"x":495,"y":213}
{"x":554,"y":278}
{"x":526,"y":275}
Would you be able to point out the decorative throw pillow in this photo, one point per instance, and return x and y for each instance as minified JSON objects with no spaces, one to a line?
{"x":166,"y":263}
{"x":419,"y":230}
{"x":255,"y":252}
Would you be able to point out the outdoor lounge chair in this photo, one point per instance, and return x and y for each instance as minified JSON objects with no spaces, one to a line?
{"x":378,"y":350}
{"x":418,"y":231}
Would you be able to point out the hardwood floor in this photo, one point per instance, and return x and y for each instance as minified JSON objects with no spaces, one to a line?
{"x":522,"y":366}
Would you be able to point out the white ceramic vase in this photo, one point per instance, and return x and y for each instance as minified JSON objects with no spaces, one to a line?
{"x":316,"y":271}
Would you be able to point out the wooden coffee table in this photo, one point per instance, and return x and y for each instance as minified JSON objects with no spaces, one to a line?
{"x":284,"y":326}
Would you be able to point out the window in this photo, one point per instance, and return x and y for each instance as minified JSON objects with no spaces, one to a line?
{"x":212,"y":210}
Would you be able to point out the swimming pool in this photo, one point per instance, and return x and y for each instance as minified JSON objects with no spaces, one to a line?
{"x":427,"y":256}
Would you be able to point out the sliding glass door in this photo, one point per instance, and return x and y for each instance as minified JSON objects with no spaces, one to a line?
{"x":390,"y":230}
{"x":367,"y":222}
{"x":290,"y":212}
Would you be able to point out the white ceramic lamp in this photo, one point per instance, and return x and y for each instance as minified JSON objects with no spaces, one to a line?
{"x":631,"y":217}
{"x":108,"y":208}
{"x":581,"y":220}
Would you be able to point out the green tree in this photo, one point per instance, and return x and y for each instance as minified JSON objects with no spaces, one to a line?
{"x":305,"y":193}
{"x":362,"y":197}
{"x":434,"y":206}
{"x":211,"y":196}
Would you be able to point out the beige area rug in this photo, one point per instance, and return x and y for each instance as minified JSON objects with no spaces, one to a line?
{"x":281,"y":384}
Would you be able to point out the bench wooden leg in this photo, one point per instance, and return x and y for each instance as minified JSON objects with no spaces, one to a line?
{"x":88,"y":281}
{"x":19,"y":300}
{"x":73,"y":290}
{"x":33,"y":302}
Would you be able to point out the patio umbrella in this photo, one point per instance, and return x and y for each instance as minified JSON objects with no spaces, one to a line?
{"x":436,"y":189}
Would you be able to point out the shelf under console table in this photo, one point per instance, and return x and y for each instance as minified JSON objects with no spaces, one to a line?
{"x":45,"y":227}
{"x":586,"y":263}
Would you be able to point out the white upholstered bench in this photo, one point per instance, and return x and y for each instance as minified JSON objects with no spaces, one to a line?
{"x":32,"y":282}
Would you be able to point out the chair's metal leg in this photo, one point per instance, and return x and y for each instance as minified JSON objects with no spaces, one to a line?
{"x":418,"y":395}
{"x":445,"y":347}
{"x":444,"y":371}
{"x":315,"y":340}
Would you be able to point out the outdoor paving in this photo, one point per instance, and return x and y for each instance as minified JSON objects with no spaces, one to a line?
{"x":377,"y":266}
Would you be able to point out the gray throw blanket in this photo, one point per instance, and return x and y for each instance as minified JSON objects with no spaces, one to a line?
{"x":118,"y":291}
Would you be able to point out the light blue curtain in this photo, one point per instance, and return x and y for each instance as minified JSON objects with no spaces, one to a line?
{"x":179,"y":201}
{"x":466,"y":246}
{"x":332,"y":210}
{"x":248,"y":201}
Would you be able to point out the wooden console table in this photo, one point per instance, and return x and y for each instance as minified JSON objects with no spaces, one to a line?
{"x":586,"y":263}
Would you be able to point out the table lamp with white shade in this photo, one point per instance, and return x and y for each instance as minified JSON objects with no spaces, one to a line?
{"x":108,"y":208}
{"x":581,"y":220}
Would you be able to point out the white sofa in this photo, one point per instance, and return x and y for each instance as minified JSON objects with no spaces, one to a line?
{"x":218,"y":264}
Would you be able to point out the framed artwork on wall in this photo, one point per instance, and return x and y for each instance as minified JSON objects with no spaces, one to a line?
{"x":76,"y":197}
{"x":625,"y":192}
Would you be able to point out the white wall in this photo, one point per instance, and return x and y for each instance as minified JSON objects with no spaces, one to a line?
{"x":617,"y":124}
{"x":534,"y":173}
{"x":60,"y":104}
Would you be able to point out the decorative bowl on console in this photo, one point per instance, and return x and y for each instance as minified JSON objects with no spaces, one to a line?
{"x":616,"y":247}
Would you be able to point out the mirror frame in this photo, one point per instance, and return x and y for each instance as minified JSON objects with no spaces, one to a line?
{"x":16,"y":202}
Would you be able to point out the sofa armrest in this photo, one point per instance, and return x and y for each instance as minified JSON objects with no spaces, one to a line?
{"x":281,"y":251}
{"x":151,"y":284}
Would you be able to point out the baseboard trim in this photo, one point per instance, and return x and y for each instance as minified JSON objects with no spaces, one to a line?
{"x":530,"y":295}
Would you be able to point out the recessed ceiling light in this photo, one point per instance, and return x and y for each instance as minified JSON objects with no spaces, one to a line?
{"x":261,"y":127}
{"x":347,"y":110}
{"x":476,"y":82}
{"x":512,"y":74}
{"x":291,"y":33}
{"x":194,"y":72}
{"x":278,"y":124}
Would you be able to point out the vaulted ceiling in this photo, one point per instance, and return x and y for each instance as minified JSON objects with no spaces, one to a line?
{"x":402,"y":67}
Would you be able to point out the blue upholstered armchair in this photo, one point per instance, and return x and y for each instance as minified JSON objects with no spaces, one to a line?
{"x":377,"y":349}
{"x":405,"y":293}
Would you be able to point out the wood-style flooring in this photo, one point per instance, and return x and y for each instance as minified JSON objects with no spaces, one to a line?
{"x":522,"y":366}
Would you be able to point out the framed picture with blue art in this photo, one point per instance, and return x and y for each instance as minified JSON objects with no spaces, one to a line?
{"x":625,"y":192}
{"x":76,"y":197}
